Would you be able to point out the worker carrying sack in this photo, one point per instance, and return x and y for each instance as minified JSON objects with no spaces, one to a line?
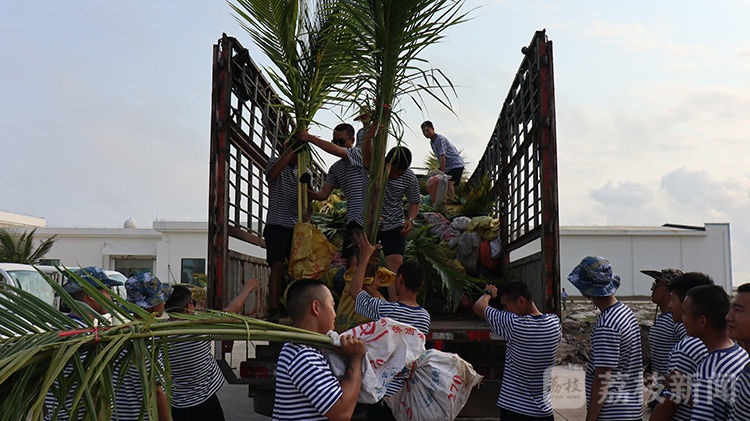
{"x":311,"y":254}
{"x":346,"y":316}
{"x":390,"y":346}
{"x":438,"y":386}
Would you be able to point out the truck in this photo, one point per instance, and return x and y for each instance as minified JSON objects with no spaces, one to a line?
{"x":247,"y":129}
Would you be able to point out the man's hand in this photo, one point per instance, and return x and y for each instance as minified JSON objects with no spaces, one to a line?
{"x":305,"y":178}
{"x":408,"y":225}
{"x":492,"y":288}
{"x":251,"y":284}
{"x":366,"y":250}
{"x":303,"y":136}
{"x":352,"y":347}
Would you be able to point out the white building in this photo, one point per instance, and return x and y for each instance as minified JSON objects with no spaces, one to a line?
{"x":632,"y":249}
{"x":176,"y":250}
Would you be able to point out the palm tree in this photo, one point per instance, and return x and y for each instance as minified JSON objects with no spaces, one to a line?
{"x":18,"y":246}
{"x":42,"y":350}
{"x":390,"y":37}
{"x":311,"y":56}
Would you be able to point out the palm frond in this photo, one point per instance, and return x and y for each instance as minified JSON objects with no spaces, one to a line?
{"x":43,"y":351}
{"x":390,"y":36}
{"x":18,"y":246}
{"x":444,"y":276}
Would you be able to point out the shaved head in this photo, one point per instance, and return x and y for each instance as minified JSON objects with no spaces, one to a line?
{"x":301,"y":294}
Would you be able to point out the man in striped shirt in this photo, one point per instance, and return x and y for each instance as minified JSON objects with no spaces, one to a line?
{"x":738,"y":322}
{"x":147,"y":292}
{"x":409,"y":278}
{"x":665,"y":332}
{"x":449,"y":160}
{"x":281,"y":175}
{"x":350,"y":175}
{"x":532,"y":339}
{"x":91,"y":275}
{"x":306,"y":388}
{"x":704,"y":314}
{"x":684,"y":356}
{"x":393,"y":228}
{"x":614,"y":385}
{"x":195,"y":375}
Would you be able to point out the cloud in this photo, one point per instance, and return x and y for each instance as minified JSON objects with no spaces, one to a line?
{"x":638,"y":38}
{"x":626,"y":194}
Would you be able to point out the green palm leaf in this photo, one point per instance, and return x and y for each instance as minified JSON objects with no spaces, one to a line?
{"x":443,"y":276}
{"x":390,"y":37}
{"x":18,"y":246}
{"x":44,"y":351}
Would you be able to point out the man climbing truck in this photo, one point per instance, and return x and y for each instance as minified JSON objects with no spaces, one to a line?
{"x":246,"y":131}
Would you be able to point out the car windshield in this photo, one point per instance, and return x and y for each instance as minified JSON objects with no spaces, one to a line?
{"x":31,"y":281}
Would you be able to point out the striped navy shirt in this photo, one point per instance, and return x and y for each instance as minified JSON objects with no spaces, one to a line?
{"x":662,"y":337}
{"x":282,"y":196}
{"x":392,"y":211}
{"x":129,"y":397}
{"x":305,"y":386}
{"x":530,"y":354}
{"x":616,"y":344}
{"x":741,"y":407}
{"x":441,"y":146}
{"x":375,"y":308}
{"x":683,"y":361}
{"x":51,"y":403}
{"x":349,"y":175}
{"x":714,"y":381}
{"x":195,"y":374}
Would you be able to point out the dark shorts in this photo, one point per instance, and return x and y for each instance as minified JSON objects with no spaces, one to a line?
{"x":278,"y":243}
{"x":210,"y":410}
{"x":455,"y":175}
{"x":392,"y":241}
{"x":379,"y":412}
{"x":349,"y":245}
{"x":506,"y":415}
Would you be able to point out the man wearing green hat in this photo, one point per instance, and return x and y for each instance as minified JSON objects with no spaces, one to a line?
{"x":614,"y":386}
{"x":665,"y":332}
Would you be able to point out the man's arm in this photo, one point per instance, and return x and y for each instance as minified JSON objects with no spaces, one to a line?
{"x":162,"y":406}
{"x":343,"y":409}
{"x":442,"y":163}
{"x":239,"y":301}
{"x":321,"y":194}
{"x":599,"y":389}
{"x":280,"y":164}
{"x":366,"y":250}
{"x":484,"y":301}
{"x":327,"y":146}
{"x":411,"y":214}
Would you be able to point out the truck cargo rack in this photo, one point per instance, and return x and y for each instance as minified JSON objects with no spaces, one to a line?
{"x":521,"y":160}
{"x":248,"y":127}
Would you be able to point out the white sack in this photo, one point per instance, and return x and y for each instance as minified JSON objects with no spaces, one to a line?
{"x":390,"y":346}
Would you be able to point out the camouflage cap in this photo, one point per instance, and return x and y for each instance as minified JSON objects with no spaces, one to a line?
{"x":146,"y":290}
{"x":90,"y":274}
{"x":594,"y":277}
{"x":665,"y":275}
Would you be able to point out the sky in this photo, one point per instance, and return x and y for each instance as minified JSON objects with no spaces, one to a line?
{"x":105,"y":107}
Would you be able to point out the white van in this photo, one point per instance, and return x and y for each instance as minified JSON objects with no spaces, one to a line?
{"x":117,"y":276}
{"x":28,"y":279}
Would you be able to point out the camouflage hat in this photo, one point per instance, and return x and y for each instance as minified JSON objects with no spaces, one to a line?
{"x":90,"y":274}
{"x":665,"y":275}
{"x":594,"y":277}
{"x":146,"y":290}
